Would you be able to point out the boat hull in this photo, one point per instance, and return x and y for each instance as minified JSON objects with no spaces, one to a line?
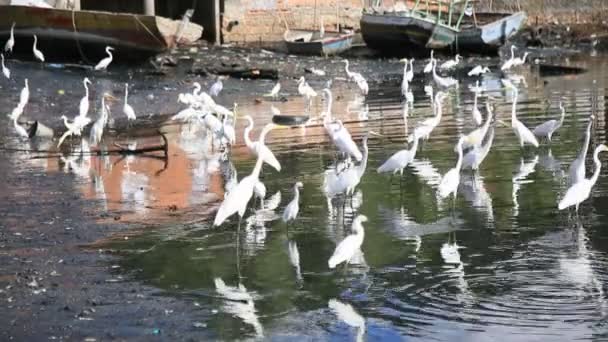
{"x":331,"y":45}
{"x":67,"y":36}
{"x":400,"y":34}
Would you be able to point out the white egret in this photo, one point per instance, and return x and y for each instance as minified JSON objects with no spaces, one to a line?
{"x":258,"y":148}
{"x":186,"y":115}
{"x":306,"y":90}
{"x":576,"y":170}
{"x":449,"y":182}
{"x":317,"y":72}
{"x":357,"y":77}
{"x":20,"y":130}
{"x":478,"y":70}
{"x":74,"y":128}
{"x":275,"y":91}
{"x":292,"y":209}
{"x":16,"y":113}
{"x":346,"y":181}
{"x":478,"y":154}
{"x":5,"y":71}
{"x":259,"y":190}
{"x":508,"y":64}
{"x":216,"y":87}
{"x":98,"y":126}
{"x":522,"y":132}
{"x":476,"y":136}
{"x":348,"y":247}
{"x":429,"y":66}
{"x":126,"y":108}
{"x":475,"y":112}
{"x":405,"y":85}
{"x":84,"y":102}
{"x":450,"y":64}
{"x":409,"y":75}
{"x":399,"y":161}
{"x":10,"y":43}
{"x":581,"y":190}
{"x":344,"y":142}
{"x":24,"y":96}
{"x":548,"y":128}
{"x":424,"y":129}
{"x":445,"y":82}
{"x":104,"y":63}
{"x":37,"y":53}
{"x":237,"y":199}
{"x":520,"y":61}
{"x":228,"y":131}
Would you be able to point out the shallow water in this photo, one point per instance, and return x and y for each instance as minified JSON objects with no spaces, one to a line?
{"x":502,"y":262}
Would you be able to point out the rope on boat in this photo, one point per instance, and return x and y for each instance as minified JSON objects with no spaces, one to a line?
{"x":84,"y":58}
{"x":148,"y":30}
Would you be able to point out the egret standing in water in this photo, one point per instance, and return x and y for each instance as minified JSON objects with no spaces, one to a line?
{"x":576,"y":171}
{"x":10,"y":43}
{"x":306,"y":90}
{"x":5,"y":71}
{"x":84,"y":102}
{"x":24,"y":96}
{"x":357,"y":77}
{"x":216,"y":87}
{"x":274,"y":93}
{"x":522,"y":132}
{"x":478,"y":70}
{"x":259,"y":148}
{"x":37,"y":53}
{"x":445,"y":82}
{"x":449,"y":182}
{"x":399,"y":161}
{"x":547,"y":128}
{"x":429,"y":66}
{"x":292,"y":209}
{"x":581,"y":190}
{"x":99,"y":125}
{"x":508,"y":64}
{"x":126,"y":108}
{"x":348,"y":247}
{"x":450,"y":64}
{"x":104,"y":63}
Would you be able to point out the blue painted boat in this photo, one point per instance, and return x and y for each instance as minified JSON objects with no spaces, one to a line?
{"x":308,"y":42}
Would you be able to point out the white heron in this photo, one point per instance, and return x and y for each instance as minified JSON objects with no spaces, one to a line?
{"x":581,"y":190}
{"x":445,"y":82}
{"x":292,"y":209}
{"x":216,"y":87}
{"x":476,"y":136}
{"x":520,"y":61}
{"x":429,"y":66}
{"x":126,"y":108}
{"x":5,"y":71}
{"x":449,"y":182}
{"x":24,"y":96}
{"x":478,"y":154}
{"x":98,"y":126}
{"x":228,"y":130}
{"x":450,"y":64}
{"x":10,"y":43}
{"x":259,"y":190}
{"x":548,"y":128}
{"x":258,"y":148}
{"x":104,"y":63}
{"x":348,"y":247}
{"x":274,"y":92}
{"x":306,"y":90}
{"x":345,"y":181}
{"x":237,"y":199}
{"x":74,"y":128}
{"x":424,"y":129}
{"x":344,"y":142}
{"x":317,"y":72}
{"x":576,"y":170}
{"x":357,"y":77}
{"x":478,"y":70}
{"x":37,"y":53}
{"x":84,"y":102}
{"x":475,"y":111}
{"x":16,"y":113}
{"x":522,"y":132}
{"x":399,"y":161}
{"x":508,"y":64}
{"x":408,"y":74}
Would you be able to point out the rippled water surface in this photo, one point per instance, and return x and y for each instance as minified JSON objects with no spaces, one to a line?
{"x":501,"y":263}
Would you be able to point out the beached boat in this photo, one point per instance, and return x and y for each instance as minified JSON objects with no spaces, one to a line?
{"x":448,"y":25}
{"x":65,"y":35}
{"x":308,"y":42}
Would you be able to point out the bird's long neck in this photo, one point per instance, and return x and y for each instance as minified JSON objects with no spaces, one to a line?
{"x":126,"y":93}
{"x":363,"y":164}
{"x":486,"y":125}
{"x":524,"y":59}
{"x":513,"y":108}
{"x":246,"y":133}
{"x":598,"y":166}
{"x":109,"y":53}
{"x":587,"y":139}
{"x":459,"y":162}
{"x":562,"y":117}
{"x":258,"y":168}
{"x":86,"y":89}
{"x":35,"y":41}
{"x":475,"y":100}
{"x":296,"y":193}
{"x":358,"y":228}
{"x":512,"y":51}
{"x":329,"y":104}
{"x":264,"y":132}
{"x":414,"y":147}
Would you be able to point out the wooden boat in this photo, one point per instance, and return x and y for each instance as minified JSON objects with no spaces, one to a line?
{"x":65,"y":35}
{"x":439,"y":27}
{"x":308,"y":42}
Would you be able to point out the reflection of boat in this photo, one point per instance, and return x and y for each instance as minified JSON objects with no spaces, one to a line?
{"x":307,"y":42}
{"x":444,"y":25}
{"x":83,"y":35}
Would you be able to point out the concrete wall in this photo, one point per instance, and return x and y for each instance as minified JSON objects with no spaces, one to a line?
{"x":246,"y":21}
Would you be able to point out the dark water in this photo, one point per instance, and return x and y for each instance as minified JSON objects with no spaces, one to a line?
{"x":503,"y":264}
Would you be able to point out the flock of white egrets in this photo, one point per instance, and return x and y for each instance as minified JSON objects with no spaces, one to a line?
{"x":220,"y":122}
